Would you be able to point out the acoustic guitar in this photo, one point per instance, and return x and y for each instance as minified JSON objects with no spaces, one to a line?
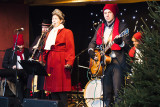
{"x":96,"y":65}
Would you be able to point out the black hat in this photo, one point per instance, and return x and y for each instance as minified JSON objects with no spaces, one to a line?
{"x":46,"y":22}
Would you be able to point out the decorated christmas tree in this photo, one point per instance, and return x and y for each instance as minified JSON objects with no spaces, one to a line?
{"x":144,"y":91}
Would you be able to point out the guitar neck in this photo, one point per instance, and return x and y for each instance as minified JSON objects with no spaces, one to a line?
{"x":125,"y":32}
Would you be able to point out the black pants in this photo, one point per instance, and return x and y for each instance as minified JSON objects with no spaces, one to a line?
{"x":113,"y":81}
{"x":40,"y":82}
{"x":61,"y":96}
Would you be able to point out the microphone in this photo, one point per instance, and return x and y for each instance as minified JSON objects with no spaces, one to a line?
{"x":135,"y":26}
{"x":17,"y":48}
{"x":20,"y":29}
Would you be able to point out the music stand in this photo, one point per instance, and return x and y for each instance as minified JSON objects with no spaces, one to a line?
{"x":11,"y":72}
{"x":33,"y":68}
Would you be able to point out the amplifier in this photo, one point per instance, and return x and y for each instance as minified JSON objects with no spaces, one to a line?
{"x":41,"y":103}
{"x":9,"y":102}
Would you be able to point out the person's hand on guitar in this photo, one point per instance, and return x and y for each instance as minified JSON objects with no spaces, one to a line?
{"x":118,"y":40}
{"x":92,"y":55}
{"x":14,"y":67}
{"x":102,"y":53}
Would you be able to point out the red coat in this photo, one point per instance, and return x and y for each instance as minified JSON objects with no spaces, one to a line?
{"x":62,"y":53}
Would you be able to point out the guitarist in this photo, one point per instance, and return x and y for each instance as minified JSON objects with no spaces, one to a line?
{"x":115,"y":71}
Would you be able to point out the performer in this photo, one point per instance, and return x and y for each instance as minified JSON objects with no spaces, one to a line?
{"x":115,"y":71}
{"x":40,"y":80}
{"x":59,"y":54}
{"x":134,"y":51}
{"x":9,"y":63}
{"x":44,"y":25}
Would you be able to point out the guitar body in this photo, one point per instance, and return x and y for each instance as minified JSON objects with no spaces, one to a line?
{"x":95,"y":66}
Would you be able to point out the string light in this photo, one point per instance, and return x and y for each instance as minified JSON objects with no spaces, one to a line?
{"x":134,"y":17}
{"x":150,"y":38}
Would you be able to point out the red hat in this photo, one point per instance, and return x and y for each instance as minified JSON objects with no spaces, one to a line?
{"x":20,"y":40}
{"x":111,"y":7}
{"x":137,"y":35}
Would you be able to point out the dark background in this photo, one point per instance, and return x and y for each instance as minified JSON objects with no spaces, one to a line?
{"x":80,"y":20}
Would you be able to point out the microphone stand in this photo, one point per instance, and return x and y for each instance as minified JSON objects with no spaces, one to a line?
{"x":103,"y":65}
{"x":15,"y":51}
{"x":77,"y":56}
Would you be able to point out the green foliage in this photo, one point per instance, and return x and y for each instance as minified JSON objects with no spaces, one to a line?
{"x":145,"y":89}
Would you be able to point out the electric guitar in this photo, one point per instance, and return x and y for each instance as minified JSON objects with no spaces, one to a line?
{"x":95,"y":65}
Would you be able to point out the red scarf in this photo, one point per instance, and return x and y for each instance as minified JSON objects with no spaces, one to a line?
{"x":100,"y":33}
{"x":132,"y":51}
{"x":19,"y":53}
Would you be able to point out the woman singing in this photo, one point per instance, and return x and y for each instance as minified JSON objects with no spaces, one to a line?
{"x":59,"y":55}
